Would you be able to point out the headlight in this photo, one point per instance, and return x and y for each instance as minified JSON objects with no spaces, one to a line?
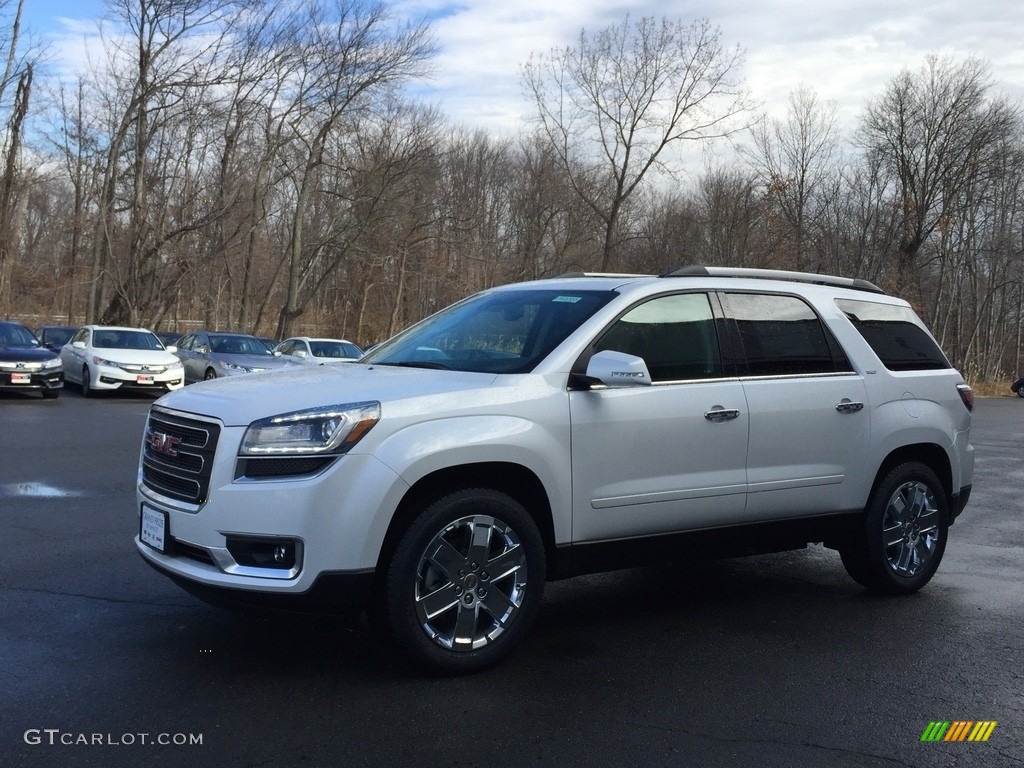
{"x":330,"y":429}
{"x":173,"y":366}
{"x":236,"y":367}
{"x":50,"y":364}
{"x":109,"y":363}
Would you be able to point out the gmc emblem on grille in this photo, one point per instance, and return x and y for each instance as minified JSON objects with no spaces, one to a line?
{"x":164,"y":444}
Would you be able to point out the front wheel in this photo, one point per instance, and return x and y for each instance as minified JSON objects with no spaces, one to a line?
{"x":87,"y":390}
{"x":210,"y":374}
{"x":465,"y":581}
{"x":904,"y":534}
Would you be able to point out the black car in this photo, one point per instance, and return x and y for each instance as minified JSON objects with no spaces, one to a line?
{"x":25,"y":364}
{"x":55,"y":336}
{"x":168,"y":338}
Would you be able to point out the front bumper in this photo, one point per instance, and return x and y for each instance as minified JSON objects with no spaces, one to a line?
{"x":108,"y":377}
{"x":340,"y":592}
{"x":330,"y":522}
{"x":31,"y":381}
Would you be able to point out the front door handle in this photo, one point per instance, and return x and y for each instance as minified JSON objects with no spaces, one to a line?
{"x":848,"y":406}
{"x":718,"y":413}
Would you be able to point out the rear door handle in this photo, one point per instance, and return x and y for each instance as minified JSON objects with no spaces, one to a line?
{"x":848,"y":406}
{"x":718,"y":413}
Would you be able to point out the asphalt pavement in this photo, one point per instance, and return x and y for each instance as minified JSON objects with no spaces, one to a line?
{"x":778,"y":660}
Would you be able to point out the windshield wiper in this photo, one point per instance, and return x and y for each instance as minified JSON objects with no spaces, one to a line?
{"x":418,"y":364}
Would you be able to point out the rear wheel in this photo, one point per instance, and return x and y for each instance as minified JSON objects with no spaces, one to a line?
{"x":904,"y":534}
{"x":465,"y":581}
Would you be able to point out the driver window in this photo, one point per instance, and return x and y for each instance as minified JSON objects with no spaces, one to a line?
{"x":675,"y":335}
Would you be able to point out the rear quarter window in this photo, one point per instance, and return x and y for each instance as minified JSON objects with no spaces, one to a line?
{"x":896,"y":334}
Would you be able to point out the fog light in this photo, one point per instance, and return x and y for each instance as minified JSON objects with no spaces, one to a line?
{"x":258,"y":552}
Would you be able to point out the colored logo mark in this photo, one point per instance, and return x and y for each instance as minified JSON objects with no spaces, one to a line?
{"x":959,"y":730}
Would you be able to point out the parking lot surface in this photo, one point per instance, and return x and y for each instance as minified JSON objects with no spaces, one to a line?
{"x":770,"y":661}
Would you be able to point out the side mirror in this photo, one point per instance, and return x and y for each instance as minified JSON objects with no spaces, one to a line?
{"x":300,"y":353}
{"x":78,"y":344}
{"x":276,"y":353}
{"x":172,"y":349}
{"x":617,"y":369}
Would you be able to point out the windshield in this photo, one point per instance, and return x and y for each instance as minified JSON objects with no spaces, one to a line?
{"x":504,"y":331}
{"x":239,"y":345}
{"x":14,"y":335}
{"x":333,"y":349}
{"x":106,"y":339}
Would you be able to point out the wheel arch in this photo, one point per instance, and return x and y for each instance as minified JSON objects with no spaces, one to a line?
{"x":931,"y":455}
{"x":513,"y":479}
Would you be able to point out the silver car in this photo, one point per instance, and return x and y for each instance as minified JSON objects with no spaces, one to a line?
{"x":208,"y":355}
{"x":303,"y":350}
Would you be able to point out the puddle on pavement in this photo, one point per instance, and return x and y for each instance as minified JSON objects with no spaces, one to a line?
{"x":36,"y":490}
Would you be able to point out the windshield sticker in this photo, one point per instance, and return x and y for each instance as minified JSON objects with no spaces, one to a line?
{"x":567,"y":299}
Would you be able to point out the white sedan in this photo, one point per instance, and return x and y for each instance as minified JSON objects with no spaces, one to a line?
{"x":306,"y":351}
{"x":100,"y":358}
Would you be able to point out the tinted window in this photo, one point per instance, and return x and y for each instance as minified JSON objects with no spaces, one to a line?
{"x":896,"y":335}
{"x":675,"y":335}
{"x":781,"y":336}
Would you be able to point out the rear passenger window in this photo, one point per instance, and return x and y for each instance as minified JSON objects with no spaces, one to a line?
{"x":896,"y":334}
{"x":782,"y":336}
{"x":675,"y":335}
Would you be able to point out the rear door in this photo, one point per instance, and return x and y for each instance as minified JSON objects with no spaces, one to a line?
{"x":809,"y":427}
{"x":666,"y":457}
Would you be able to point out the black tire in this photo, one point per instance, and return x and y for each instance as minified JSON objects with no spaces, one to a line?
{"x":87,"y":390}
{"x":443,"y":604}
{"x":210,"y":374}
{"x":904,"y":535}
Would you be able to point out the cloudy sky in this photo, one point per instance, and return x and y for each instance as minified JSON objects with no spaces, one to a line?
{"x":845,"y":50}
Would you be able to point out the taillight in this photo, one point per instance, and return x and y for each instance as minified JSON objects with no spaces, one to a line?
{"x":967,"y":395}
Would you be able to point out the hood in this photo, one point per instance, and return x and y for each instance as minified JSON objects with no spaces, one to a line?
{"x":25,"y":354}
{"x":240,"y":400}
{"x":252,"y":361}
{"x":135,"y":356}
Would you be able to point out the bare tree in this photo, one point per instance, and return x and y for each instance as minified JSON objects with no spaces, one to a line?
{"x":615,"y":102}
{"x":936,"y":130}
{"x":796,"y":161}
{"x":347,"y":58}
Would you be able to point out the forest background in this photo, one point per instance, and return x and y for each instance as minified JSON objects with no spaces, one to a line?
{"x":266,"y":166}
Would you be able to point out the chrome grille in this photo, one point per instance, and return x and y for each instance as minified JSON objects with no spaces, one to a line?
{"x":178,"y":456}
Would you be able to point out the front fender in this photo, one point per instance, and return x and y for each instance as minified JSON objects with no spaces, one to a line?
{"x":541,"y":446}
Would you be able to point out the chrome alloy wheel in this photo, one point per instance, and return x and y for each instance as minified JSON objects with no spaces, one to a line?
{"x":910,"y":528}
{"x":470,"y":582}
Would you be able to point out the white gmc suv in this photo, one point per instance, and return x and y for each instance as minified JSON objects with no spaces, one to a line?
{"x":547,"y":429}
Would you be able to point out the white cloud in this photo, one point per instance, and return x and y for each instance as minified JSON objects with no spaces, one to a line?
{"x":845,"y":50}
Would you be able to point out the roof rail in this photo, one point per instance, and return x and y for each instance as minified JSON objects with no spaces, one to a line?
{"x":594,"y":274}
{"x":698,"y":270}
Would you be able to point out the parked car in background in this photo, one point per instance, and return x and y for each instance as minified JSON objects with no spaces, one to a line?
{"x":207,"y":355}
{"x":25,"y":364}
{"x":102,"y":358}
{"x":55,"y":336}
{"x":168,"y":338}
{"x":303,"y":350}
